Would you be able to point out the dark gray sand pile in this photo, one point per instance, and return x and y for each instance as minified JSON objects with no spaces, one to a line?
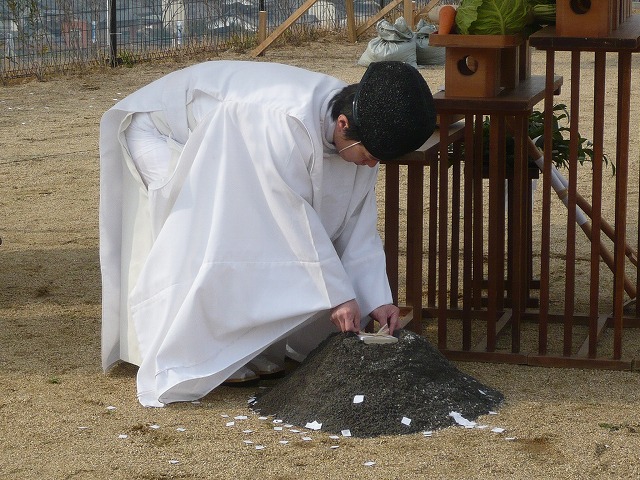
{"x":408,"y":387}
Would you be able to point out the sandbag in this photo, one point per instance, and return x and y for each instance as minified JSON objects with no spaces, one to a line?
{"x":425,"y":53}
{"x":394,"y":42}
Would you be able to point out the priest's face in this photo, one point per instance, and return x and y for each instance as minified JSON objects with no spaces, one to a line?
{"x":350,"y":150}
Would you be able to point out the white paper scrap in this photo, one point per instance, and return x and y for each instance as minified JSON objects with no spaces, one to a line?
{"x":230,"y":424}
{"x":333,"y":447}
{"x":180,"y":429}
{"x":196,"y":402}
{"x":277,"y":421}
{"x":427,"y":433}
{"x":482,"y":392}
{"x":306,"y":439}
{"x":83,"y":428}
{"x":174,"y":462}
{"x":346,"y":433}
{"x":224,"y":415}
{"x":313,"y":425}
{"x":460,"y":420}
{"x":369,"y":464}
{"x":277,"y":428}
{"x":334,"y":437}
{"x":293,"y":430}
{"x":247,"y":431}
{"x":111,"y":408}
{"x":493,"y":413}
{"x":154,"y":427}
{"x":358,"y":399}
{"x":288,"y":425}
{"x":406,"y":421}
{"x":283,"y":442}
{"x":497,"y":430}
{"x":248,"y":442}
{"x":122,"y":435}
{"x":510,"y":438}
{"x":263,"y":418}
{"x":241,"y":417}
{"x":259,"y":447}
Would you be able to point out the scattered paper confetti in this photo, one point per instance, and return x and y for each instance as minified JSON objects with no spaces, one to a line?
{"x":277,"y":421}
{"x":510,"y":438}
{"x":313,"y":425}
{"x":122,"y":435}
{"x":293,"y":430}
{"x":283,"y":442}
{"x":406,"y":421}
{"x":334,"y":437}
{"x":154,"y":427}
{"x":346,"y":433}
{"x":306,"y":439}
{"x":174,"y":462}
{"x":248,"y":442}
{"x":333,"y":447}
{"x":241,"y":417}
{"x":493,"y":413}
{"x":247,"y":431}
{"x":460,"y":420}
{"x":111,"y":408}
{"x":277,"y":428}
{"x":263,"y":418}
{"x":259,"y":447}
{"x":180,"y":429}
{"x":224,"y":415}
{"x":358,"y":399}
{"x":230,"y":424}
{"x":497,"y":430}
{"x":82,"y":428}
{"x":369,"y":464}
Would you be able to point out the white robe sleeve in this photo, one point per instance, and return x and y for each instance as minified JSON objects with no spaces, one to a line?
{"x":360,"y":249}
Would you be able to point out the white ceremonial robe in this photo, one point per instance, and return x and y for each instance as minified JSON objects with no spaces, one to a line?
{"x":257,"y":231}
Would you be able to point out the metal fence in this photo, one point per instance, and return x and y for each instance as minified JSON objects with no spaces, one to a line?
{"x":40,"y":36}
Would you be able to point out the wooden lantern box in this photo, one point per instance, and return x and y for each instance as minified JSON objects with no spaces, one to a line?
{"x":481,"y":65}
{"x":590,"y":18}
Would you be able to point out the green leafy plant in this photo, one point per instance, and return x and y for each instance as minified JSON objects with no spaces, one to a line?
{"x":504,"y":17}
{"x":560,"y":140}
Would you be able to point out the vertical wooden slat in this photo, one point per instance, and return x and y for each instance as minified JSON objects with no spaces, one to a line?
{"x":478,"y":214}
{"x":545,"y":234}
{"x":570,"y":267}
{"x":519,"y":267}
{"x":500,"y":212}
{"x":392,"y":223}
{"x":415,"y":226}
{"x":443,"y":222}
{"x":596,"y":196}
{"x":622,"y":172}
{"x":467,"y":268}
{"x":495,"y":211}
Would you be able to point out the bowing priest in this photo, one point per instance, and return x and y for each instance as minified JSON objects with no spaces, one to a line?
{"x":238,"y":217}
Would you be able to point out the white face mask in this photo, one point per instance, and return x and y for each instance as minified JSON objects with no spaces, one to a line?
{"x":348,"y":146}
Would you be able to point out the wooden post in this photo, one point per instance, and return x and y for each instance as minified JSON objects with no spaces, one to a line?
{"x":351,"y":21}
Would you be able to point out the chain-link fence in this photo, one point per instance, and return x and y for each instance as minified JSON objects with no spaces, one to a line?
{"x":39,"y":36}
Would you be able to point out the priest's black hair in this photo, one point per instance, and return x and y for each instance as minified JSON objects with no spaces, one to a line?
{"x":342,"y":104}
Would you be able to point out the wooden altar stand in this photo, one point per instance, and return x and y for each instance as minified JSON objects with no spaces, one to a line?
{"x":481,"y":286}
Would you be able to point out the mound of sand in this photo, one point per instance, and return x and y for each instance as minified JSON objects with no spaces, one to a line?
{"x":405,"y":387}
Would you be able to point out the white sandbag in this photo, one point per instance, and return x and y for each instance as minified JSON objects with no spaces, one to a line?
{"x":425,"y":53}
{"x":394,"y":42}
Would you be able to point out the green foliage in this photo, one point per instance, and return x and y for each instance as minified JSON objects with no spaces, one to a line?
{"x":493,"y":17}
{"x":560,"y":143}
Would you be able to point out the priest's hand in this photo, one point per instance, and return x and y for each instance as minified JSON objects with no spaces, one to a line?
{"x":346,"y":316}
{"x":387,"y":315}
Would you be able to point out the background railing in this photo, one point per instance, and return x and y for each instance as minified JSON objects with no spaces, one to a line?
{"x":40,"y":36}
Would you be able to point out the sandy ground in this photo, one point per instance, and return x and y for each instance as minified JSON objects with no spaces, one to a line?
{"x":61,"y":417}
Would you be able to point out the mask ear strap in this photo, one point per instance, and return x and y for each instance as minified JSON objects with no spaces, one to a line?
{"x":349,"y":146}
